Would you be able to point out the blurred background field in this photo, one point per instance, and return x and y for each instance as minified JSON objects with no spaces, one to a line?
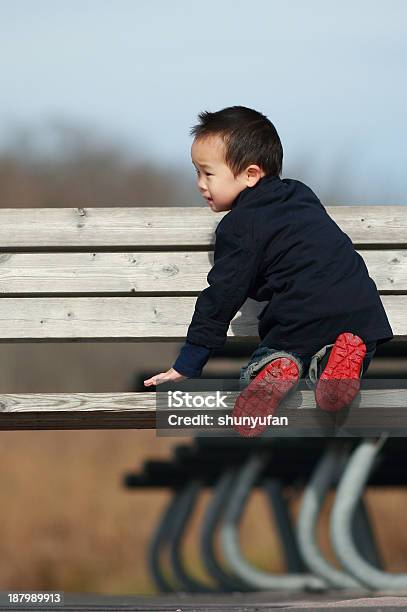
{"x":97,"y":102}
{"x":68,"y":524}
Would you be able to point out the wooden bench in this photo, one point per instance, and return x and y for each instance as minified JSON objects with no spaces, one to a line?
{"x":133,"y":274}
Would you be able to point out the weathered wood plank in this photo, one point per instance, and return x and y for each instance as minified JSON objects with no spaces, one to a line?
{"x":152,"y":272}
{"x":104,"y":272}
{"x":169,"y":226}
{"x":372,"y":224}
{"x":137,"y":318}
{"x":106,"y":227}
{"x":138,"y":410}
{"x":68,"y":403}
{"x":77,"y":411}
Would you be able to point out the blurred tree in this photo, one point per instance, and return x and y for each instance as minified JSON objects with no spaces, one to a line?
{"x":62,"y":165}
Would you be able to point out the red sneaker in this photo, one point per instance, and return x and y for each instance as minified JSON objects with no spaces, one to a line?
{"x":263,"y":394}
{"x":340,"y":380}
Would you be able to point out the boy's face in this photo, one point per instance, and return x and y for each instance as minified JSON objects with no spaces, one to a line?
{"x":215,"y":180}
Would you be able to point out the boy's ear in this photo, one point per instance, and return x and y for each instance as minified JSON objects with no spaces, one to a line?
{"x":253,"y":174}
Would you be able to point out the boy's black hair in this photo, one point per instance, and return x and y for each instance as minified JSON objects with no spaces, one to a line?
{"x":249,"y":137}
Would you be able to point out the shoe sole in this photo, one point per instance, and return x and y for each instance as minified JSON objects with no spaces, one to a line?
{"x":264,"y":393}
{"x":339,"y":382}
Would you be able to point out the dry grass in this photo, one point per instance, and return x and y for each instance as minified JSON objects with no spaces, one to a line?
{"x":68,"y":523}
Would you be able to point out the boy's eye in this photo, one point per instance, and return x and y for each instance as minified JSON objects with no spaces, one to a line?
{"x":207,"y":173}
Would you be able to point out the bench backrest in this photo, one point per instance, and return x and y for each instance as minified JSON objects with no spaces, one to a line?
{"x":134,"y":273}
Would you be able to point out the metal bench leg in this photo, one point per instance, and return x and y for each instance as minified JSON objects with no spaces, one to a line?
{"x":348,"y":494}
{"x":212,"y":517}
{"x":158,"y":541}
{"x":364,"y":537}
{"x":230,"y":540}
{"x":186,"y":504}
{"x":274,"y":490}
{"x":324,"y":475}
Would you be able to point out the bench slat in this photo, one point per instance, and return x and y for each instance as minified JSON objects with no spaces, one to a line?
{"x":169,"y":226}
{"x":138,"y":410}
{"x":104,"y":272}
{"x":136,"y":319}
{"x":138,"y":272}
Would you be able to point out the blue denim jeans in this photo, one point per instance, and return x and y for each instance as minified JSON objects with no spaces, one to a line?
{"x":309,"y":366}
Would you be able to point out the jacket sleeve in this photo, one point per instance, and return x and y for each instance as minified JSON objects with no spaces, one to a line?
{"x":230,"y":279}
{"x":191,"y":359}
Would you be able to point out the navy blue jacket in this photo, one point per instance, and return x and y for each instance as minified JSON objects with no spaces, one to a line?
{"x":278,"y":244}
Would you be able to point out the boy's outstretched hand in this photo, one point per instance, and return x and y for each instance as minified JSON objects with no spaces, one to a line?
{"x":162,"y":377}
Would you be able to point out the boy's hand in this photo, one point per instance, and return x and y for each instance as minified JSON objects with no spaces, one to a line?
{"x":167,"y":376}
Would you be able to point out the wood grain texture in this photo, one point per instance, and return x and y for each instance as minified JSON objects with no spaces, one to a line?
{"x":169,"y":226}
{"x":162,"y":253}
{"x":137,"y":319}
{"x":138,"y":410}
{"x":148,"y":272}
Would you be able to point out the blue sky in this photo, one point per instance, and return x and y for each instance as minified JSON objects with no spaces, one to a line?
{"x":330,"y":75}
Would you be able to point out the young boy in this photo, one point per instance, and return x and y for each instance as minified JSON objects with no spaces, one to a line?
{"x":277,"y":244}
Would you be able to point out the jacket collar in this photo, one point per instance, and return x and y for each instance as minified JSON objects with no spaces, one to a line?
{"x":265,"y":184}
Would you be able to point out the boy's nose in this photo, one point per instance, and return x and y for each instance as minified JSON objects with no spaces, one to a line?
{"x":201,"y":185}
